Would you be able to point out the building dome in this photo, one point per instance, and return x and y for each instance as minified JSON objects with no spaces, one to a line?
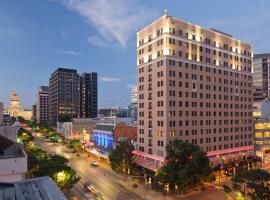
{"x":14,"y":99}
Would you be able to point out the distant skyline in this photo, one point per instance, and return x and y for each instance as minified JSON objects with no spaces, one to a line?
{"x":37,"y":37}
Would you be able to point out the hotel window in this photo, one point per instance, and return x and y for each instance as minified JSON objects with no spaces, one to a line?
{"x":172,"y":30}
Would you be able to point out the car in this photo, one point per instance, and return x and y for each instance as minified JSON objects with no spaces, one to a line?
{"x":89,"y":187}
{"x":94,"y":163}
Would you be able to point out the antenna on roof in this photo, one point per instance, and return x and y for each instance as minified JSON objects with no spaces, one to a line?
{"x":165,"y":12}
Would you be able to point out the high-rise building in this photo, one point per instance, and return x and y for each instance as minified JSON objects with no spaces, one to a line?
{"x":1,"y":113}
{"x":134,"y":103}
{"x":43,"y":105}
{"x":34,"y":112}
{"x":63,"y":95}
{"x":261,"y":76}
{"x":194,"y":84}
{"x":88,"y":95}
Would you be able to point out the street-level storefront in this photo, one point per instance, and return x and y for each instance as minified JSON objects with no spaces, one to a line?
{"x":224,"y":162}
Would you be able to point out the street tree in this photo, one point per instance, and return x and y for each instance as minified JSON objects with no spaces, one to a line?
{"x":76,"y":145}
{"x":187,"y":165}
{"x":24,"y":135}
{"x":254,"y":183}
{"x":121,"y":157}
{"x":42,"y":164}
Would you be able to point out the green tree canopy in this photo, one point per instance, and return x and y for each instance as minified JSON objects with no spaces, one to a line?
{"x":24,"y":135}
{"x":121,"y":157}
{"x":254,"y":182}
{"x":42,"y":164}
{"x":187,"y":165}
{"x":75,"y":144}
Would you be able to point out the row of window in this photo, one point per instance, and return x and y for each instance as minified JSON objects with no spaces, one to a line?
{"x":201,"y":68}
{"x":192,"y":36}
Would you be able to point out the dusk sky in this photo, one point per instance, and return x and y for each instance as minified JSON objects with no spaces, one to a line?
{"x":38,"y":36}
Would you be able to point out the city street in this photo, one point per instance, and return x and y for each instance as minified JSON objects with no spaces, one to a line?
{"x":106,"y":181}
{"x":101,"y":177}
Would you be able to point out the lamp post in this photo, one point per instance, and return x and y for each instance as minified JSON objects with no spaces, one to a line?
{"x":128,"y":172}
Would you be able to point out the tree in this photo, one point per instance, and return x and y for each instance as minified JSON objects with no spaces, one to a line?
{"x":75,"y":144}
{"x":21,"y":119}
{"x":42,"y":164}
{"x":66,"y":178}
{"x":253,"y":183}
{"x":121,"y":157}
{"x":54,"y":137}
{"x":24,"y":135}
{"x":187,"y":165}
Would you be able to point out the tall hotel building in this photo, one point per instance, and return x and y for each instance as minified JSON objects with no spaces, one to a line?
{"x":194,"y":84}
{"x":88,"y":95}
{"x":63,"y":95}
{"x":261,"y":76}
{"x":42,"y":105}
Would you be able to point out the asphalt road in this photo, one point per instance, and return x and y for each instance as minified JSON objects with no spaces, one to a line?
{"x":102,"y":177}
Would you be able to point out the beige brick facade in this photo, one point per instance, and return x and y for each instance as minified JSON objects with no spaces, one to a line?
{"x":194,"y":84}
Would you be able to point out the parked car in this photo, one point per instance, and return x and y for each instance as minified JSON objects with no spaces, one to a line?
{"x":89,"y":187}
{"x":94,"y":163}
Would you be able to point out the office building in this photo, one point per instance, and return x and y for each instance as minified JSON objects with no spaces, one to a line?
{"x":88,"y":95}
{"x":261,"y":115}
{"x":134,"y":103}
{"x":63,"y":95}
{"x":194,"y":84}
{"x":1,"y":113}
{"x":34,"y":112}
{"x":261,"y":76}
{"x":43,"y":105}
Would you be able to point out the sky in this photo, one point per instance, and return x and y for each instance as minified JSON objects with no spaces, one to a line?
{"x":38,"y":36}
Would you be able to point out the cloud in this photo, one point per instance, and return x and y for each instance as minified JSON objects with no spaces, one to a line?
{"x":109,"y":79}
{"x":96,"y":41}
{"x":115,"y":20}
{"x":72,"y":53}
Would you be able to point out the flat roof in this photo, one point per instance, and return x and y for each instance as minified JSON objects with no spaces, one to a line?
{"x":42,"y":188}
{"x":261,"y":55}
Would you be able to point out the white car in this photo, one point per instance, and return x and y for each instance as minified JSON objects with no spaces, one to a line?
{"x":94,"y":163}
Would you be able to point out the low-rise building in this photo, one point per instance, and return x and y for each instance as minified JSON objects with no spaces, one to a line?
{"x":10,"y":132}
{"x":103,"y":137}
{"x":107,"y":135}
{"x":124,"y":132}
{"x":78,"y":129}
{"x":13,"y":160}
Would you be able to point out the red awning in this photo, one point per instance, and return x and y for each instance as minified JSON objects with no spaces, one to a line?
{"x":147,"y":164}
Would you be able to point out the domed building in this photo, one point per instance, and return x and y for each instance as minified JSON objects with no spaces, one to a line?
{"x":15,"y":109}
